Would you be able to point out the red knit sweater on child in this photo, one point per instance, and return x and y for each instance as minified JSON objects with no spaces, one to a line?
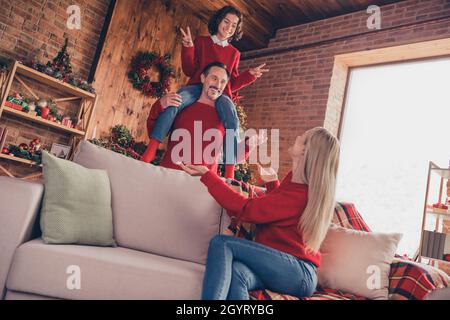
{"x":205,"y":51}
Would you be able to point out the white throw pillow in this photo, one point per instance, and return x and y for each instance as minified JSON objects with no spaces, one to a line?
{"x":357,"y":262}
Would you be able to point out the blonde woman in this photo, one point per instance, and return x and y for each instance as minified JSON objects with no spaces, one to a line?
{"x":292,"y":220}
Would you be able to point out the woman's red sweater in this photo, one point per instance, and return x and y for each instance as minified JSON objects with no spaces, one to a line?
{"x":276,"y":214}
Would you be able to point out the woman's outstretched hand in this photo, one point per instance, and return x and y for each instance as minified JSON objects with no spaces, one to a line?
{"x":267,"y":174}
{"x":258,"y":71}
{"x":256,"y":140}
{"x":187,"y":38}
{"x":193,"y":170}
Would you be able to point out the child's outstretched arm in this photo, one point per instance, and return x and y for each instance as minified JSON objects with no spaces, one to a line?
{"x":239,"y":81}
{"x":249,"y":144}
{"x":189,"y":61}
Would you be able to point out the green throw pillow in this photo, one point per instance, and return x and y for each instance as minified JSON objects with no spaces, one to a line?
{"x":77,"y":204}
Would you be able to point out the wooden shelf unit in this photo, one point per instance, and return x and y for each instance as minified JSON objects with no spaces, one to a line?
{"x":442,"y":218}
{"x":87,"y":102}
{"x":40,"y":120}
{"x":24,"y":161}
{"x":444,"y":214}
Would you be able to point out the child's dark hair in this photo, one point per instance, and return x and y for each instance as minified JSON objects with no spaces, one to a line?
{"x":216,"y":19}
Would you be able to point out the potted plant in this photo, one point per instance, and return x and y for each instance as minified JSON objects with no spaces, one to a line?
{"x":53,"y":110}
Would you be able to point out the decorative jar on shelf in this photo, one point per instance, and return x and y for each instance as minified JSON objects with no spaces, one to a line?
{"x":32,"y":108}
{"x":43,"y":106}
{"x":67,"y":121}
{"x":44,"y":112}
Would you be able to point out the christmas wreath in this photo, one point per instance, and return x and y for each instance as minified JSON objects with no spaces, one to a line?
{"x":141,"y":78}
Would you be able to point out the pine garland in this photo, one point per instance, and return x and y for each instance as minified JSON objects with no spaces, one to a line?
{"x":121,"y":140}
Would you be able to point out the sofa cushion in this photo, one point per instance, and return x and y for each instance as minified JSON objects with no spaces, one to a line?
{"x":76,"y":208}
{"x":14,"y":295}
{"x":21,"y":203}
{"x":157,"y":210}
{"x":105,"y":273}
{"x":357,"y":262}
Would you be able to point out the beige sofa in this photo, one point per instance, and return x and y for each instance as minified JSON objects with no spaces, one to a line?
{"x":162,"y":237}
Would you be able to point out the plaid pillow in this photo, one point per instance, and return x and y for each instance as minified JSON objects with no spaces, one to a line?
{"x":409,"y":280}
{"x":346,"y":216}
{"x":320,"y":294}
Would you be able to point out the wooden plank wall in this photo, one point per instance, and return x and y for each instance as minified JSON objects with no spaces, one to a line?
{"x":148,"y":25}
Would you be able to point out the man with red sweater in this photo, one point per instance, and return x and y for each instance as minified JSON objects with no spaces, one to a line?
{"x":210,"y":49}
{"x":224,"y":26}
{"x":199,"y":123}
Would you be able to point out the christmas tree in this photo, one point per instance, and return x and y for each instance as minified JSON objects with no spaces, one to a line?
{"x":62,"y":68}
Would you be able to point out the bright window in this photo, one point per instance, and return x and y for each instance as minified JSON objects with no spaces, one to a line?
{"x":396,"y":119}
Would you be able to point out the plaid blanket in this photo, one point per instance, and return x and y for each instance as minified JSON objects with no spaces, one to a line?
{"x":408,"y":280}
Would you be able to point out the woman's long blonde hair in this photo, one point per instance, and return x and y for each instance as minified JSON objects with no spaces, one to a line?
{"x":318,"y":170}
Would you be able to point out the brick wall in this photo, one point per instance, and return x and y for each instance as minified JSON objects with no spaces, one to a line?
{"x":293,"y":96}
{"x":36,"y":29}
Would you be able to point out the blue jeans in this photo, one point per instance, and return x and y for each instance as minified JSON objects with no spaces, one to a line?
{"x":236,"y":266}
{"x":226,"y":111}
